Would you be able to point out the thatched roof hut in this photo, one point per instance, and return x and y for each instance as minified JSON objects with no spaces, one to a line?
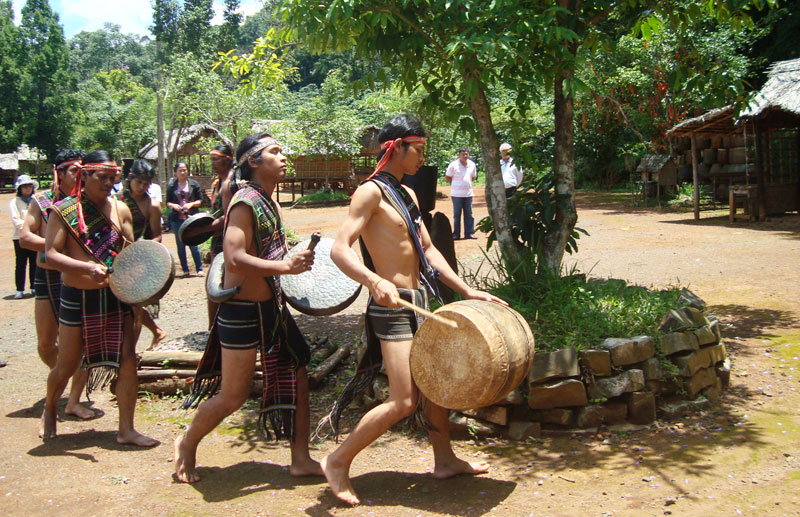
{"x":780,"y":94}
{"x":187,"y":141}
{"x":719,"y":121}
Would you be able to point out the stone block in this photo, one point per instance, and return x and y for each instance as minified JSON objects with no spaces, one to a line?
{"x":671,"y":386}
{"x":515,"y":398}
{"x":595,"y":414}
{"x":565,"y":393}
{"x":674,"y":320}
{"x":628,"y":351}
{"x":556,"y":416}
{"x":494,"y":414}
{"x":723,"y":370}
{"x":463,"y":426}
{"x":689,"y":299}
{"x":716,"y":353}
{"x":713,"y":392}
{"x":589,"y":416}
{"x":689,"y":363}
{"x":675,"y":410}
{"x":696,"y":316}
{"x":558,"y":364}
{"x":704,"y":378}
{"x":651,"y":369}
{"x":521,"y":430}
{"x":610,"y":387}
{"x":641,"y":407}
{"x":705,"y":336}
{"x":654,"y":386}
{"x":597,"y":361}
{"x":716,"y":327}
{"x":677,"y":342}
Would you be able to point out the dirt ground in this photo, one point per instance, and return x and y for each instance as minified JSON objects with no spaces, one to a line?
{"x":739,"y":458}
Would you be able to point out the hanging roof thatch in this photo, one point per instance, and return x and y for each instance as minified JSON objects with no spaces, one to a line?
{"x":715,"y":122}
{"x":10,"y":161}
{"x":653,"y":162}
{"x":780,"y":92}
{"x":186,"y":143}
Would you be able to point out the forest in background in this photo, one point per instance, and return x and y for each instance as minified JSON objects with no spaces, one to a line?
{"x":99,"y":89}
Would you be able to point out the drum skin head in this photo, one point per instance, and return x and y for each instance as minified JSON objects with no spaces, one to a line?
{"x":194,"y":222}
{"x":477,"y":364}
{"x":324,"y":290}
{"x":143,"y":273}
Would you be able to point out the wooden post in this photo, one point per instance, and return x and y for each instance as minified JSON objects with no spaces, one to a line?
{"x":695,"y":178}
{"x":761,"y":164}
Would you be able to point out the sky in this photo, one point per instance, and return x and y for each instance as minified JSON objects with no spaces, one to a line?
{"x":133,"y":16}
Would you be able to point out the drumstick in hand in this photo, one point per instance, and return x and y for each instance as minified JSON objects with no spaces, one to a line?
{"x":427,"y":314}
{"x":315,"y":237}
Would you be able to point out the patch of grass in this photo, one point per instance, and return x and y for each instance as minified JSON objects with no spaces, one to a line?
{"x":322,"y":197}
{"x":684,"y":195}
{"x":573,"y":311}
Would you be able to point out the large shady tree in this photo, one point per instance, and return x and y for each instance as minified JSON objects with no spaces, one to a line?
{"x":458,"y":50}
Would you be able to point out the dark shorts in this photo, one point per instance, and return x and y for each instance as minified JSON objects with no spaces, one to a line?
{"x":47,"y":284}
{"x":77,"y":303}
{"x":398,"y":324}
{"x":243,"y":325}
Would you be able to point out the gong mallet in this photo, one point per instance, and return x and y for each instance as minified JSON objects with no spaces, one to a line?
{"x":315,"y":237}
{"x":427,"y":314}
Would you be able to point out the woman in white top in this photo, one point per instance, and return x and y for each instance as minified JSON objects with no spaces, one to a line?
{"x":18,"y":207}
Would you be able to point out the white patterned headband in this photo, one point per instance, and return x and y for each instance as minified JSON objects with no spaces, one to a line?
{"x":260,"y":146}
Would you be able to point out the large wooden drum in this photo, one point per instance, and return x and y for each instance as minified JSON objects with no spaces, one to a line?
{"x":477,"y":364}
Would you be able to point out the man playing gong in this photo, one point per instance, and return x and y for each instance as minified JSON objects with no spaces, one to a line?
{"x":47,"y":283}
{"x":84,"y":234}
{"x":255,"y":319}
{"x":400,"y":262}
{"x":221,"y":158}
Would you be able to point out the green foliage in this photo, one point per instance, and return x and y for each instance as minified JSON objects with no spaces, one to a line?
{"x":322,"y":197}
{"x":48,"y":101}
{"x":107,"y":48}
{"x":11,"y":74}
{"x":532,"y":214}
{"x":571,"y":311}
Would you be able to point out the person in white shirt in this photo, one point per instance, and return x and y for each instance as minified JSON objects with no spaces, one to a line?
{"x":460,"y":175}
{"x":512,"y":176}
{"x":18,"y":208}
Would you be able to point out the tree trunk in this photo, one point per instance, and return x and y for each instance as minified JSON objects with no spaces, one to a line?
{"x":162,"y":170}
{"x":555,"y":242}
{"x":495,"y":189}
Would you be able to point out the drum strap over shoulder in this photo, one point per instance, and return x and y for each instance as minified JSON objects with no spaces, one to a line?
{"x":103,"y":239}
{"x":401,"y":201}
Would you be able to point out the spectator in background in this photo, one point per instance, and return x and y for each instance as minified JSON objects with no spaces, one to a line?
{"x":460,"y":175}
{"x":18,"y":207}
{"x":512,"y":176}
{"x":184,"y":195}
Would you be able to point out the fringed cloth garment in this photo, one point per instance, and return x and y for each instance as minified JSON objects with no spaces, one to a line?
{"x":370,"y":364}
{"x":282,"y":347}
{"x":101,"y":313}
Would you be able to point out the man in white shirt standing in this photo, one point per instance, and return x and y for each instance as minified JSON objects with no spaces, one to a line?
{"x":512,"y":176}
{"x":460,"y":175}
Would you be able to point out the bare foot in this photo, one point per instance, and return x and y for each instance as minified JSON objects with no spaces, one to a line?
{"x":184,"y":463}
{"x":457,"y":467}
{"x":339,"y":481}
{"x":307,"y":467}
{"x":47,"y":426}
{"x":158,"y":336}
{"x":84,"y":413}
{"x":134,"y":437}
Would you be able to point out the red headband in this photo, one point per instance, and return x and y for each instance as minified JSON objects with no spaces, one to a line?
{"x":67,"y":164}
{"x":220,"y":153}
{"x":76,"y":191}
{"x":388,"y":146}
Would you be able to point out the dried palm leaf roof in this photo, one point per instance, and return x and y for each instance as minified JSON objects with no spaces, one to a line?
{"x":715,"y":122}
{"x":781,"y":91}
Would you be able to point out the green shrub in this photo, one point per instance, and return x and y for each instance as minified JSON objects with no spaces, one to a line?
{"x":320,"y":197}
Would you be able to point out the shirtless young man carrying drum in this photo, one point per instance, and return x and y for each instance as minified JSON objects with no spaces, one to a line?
{"x":396,"y":273}
{"x":84,"y":234}
{"x":254,"y":319}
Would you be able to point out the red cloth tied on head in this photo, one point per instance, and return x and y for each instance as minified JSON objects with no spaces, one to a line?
{"x":63,"y":165}
{"x":214,"y":152}
{"x":389,"y":146}
{"x":76,"y":191}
